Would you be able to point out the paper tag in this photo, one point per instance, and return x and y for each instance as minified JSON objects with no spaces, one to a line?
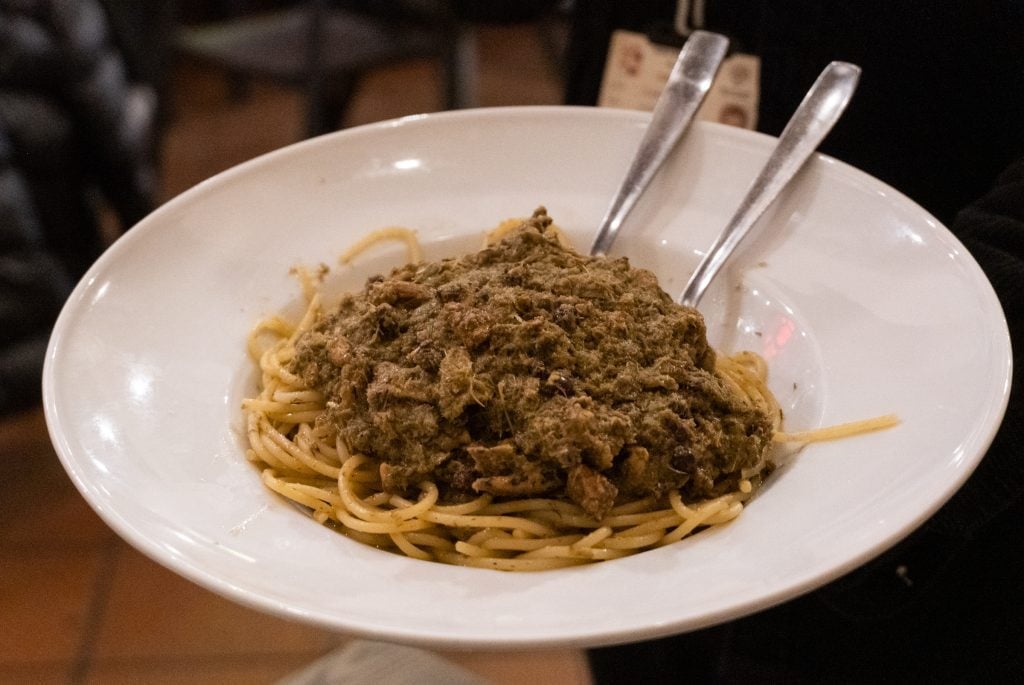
{"x":636,"y":71}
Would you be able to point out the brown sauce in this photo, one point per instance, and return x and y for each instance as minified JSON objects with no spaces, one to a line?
{"x":528,"y":369}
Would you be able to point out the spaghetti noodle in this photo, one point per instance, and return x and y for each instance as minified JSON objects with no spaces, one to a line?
{"x":305,"y":460}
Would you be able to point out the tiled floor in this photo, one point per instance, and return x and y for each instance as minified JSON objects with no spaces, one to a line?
{"x":77,"y":605}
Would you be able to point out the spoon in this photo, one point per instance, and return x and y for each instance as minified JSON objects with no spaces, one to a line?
{"x":813,"y":119}
{"x":688,"y":83}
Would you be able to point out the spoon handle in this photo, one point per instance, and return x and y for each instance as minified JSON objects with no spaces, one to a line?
{"x":691,"y":77}
{"x":813,"y":119}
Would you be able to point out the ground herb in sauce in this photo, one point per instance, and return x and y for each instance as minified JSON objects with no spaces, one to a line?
{"x":528,"y":369}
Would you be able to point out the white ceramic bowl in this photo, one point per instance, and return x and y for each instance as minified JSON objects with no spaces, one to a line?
{"x":861,"y":302}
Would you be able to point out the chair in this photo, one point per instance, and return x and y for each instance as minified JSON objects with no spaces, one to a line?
{"x":324,"y":49}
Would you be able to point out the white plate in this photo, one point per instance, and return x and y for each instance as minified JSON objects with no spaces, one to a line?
{"x":862,"y":303}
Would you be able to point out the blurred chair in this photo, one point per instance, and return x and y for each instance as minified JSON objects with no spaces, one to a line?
{"x":324,"y":49}
{"x":79,"y":125}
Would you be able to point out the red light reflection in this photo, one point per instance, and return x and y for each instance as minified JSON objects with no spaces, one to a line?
{"x":776,"y":340}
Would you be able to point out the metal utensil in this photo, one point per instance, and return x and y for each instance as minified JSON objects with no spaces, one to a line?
{"x":688,"y":83}
{"x":813,"y":119}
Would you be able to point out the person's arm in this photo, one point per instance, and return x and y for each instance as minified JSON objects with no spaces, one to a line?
{"x":33,"y":286}
{"x":992,"y":229}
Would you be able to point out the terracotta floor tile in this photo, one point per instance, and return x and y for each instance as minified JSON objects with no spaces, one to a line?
{"x":418,"y":81}
{"x":36,"y":674}
{"x":39,"y":504}
{"x":536,"y":667}
{"x":192,"y":672}
{"x":154,"y":613}
{"x":205,"y":141}
{"x":44,"y":604}
{"x":64,"y":518}
{"x":514,"y":69}
{"x":22,"y":431}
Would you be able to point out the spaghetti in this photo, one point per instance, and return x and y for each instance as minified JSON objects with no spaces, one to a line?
{"x":306,"y":461}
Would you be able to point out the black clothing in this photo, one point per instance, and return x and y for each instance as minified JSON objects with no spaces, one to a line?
{"x":938,"y":110}
{"x":938,"y":116}
{"x":942,"y":606}
{"x":76,"y":139}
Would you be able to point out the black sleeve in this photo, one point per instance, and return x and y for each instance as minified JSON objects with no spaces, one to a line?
{"x":993,"y":231}
{"x":75,"y":136}
{"x":941,"y":606}
{"x":33,"y":286}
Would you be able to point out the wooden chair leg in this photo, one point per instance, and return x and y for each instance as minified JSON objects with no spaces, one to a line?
{"x":327,"y":104}
{"x":459,"y":64}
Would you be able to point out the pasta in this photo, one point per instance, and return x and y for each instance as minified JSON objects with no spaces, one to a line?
{"x":306,"y":461}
